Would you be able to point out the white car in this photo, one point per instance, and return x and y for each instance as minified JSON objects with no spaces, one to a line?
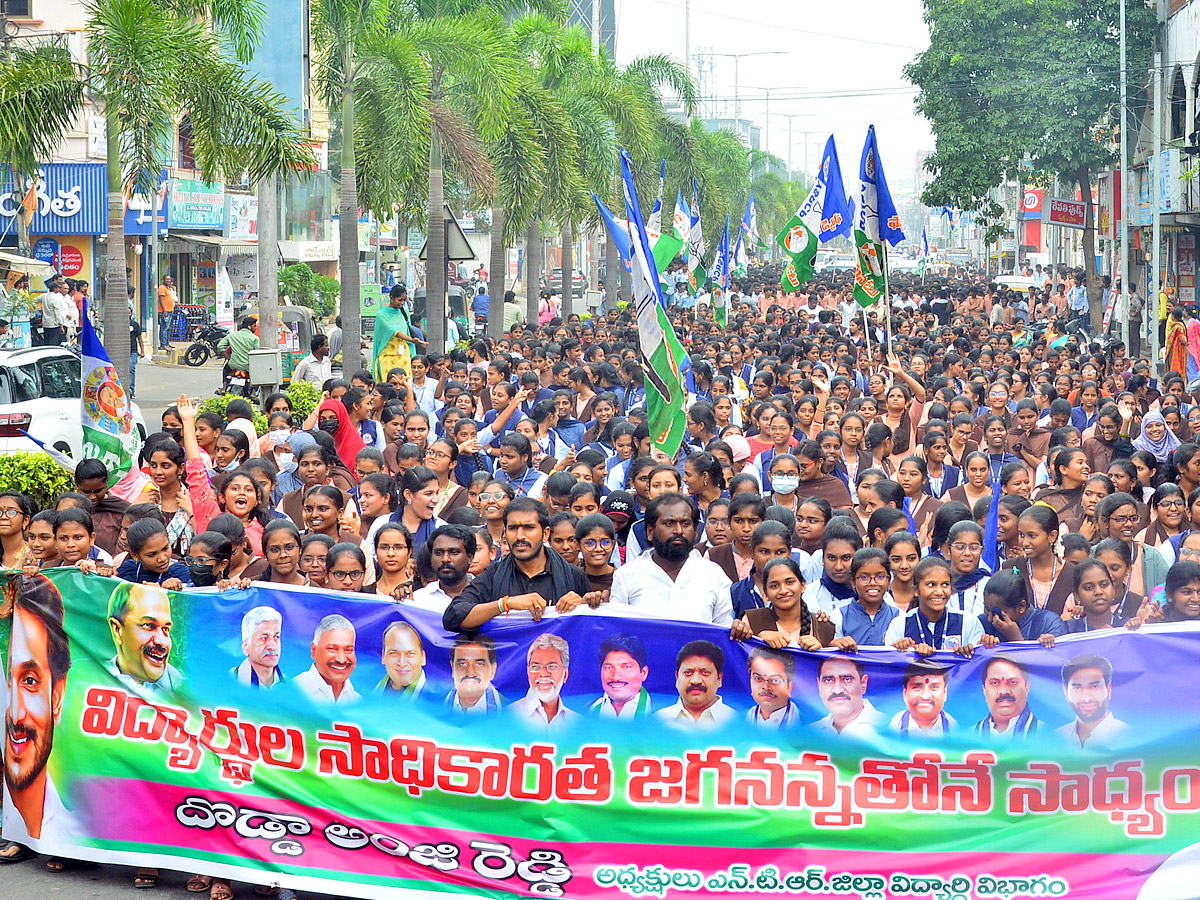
{"x":40,"y":394}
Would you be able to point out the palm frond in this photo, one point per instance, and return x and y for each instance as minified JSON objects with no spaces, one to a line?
{"x":40,"y":94}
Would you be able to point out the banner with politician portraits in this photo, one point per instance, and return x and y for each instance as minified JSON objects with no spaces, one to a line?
{"x":345,"y":744}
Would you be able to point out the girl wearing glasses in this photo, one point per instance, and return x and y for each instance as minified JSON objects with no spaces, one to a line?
{"x":964,"y":549}
{"x":865,"y":619}
{"x":16,"y":510}
{"x":347,"y":567}
{"x":492,"y":503}
{"x":1168,"y":509}
{"x":281,"y":546}
{"x":597,"y":539}
{"x":1120,"y":519}
{"x":441,"y":459}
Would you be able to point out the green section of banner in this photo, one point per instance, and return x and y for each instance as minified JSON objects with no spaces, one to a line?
{"x":869,"y":277}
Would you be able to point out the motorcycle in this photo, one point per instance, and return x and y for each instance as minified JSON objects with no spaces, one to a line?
{"x":238,"y":382}
{"x":205,"y":345}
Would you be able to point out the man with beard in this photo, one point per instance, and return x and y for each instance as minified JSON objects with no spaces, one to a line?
{"x":403,"y":661}
{"x":674,"y":581}
{"x":1087,"y":684}
{"x":771,"y":674}
{"x":1006,"y":690}
{"x":473,"y":666}
{"x":328,"y":679}
{"x":451,"y":549}
{"x":925,"y":685}
{"x":529,"y":579}
{"x":547,"y":665}
{"x":261,"y":629}
{"x":842,"y":684}
{"x":699,"y":666}
{"x":139,"y":618}
{"x":38,"y":660}
{"x":623,"y":672}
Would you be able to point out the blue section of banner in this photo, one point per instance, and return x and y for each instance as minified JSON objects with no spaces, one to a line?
{"x":72,"y":198}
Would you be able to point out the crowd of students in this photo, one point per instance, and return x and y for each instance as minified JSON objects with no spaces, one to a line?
{"x":938,"y":489}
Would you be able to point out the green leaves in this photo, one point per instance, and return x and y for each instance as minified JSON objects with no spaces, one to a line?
{"x":40,"y":93}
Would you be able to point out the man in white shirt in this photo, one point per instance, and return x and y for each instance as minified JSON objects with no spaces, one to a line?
{"x":547,"y":664}
{"x":261,"y":628}
{"x":403,"y":662}
{"x":1006,"y":690}
{"x":316,"y":368}
{"x":699,"y":668}
{"x":328,"y":679}
{"x":771,"y":674}
{"x":842,"y":684}
{"x":623,"y":672}
{"x":673,"y":580}
{"x":473,"y":666}
{"x":925,"y":687}
{"x":451,"y":547}
{"x":1087,"y":684}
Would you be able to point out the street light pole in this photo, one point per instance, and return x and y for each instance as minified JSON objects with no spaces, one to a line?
{"x":737,"y":59}
{"x":1124,"y":135}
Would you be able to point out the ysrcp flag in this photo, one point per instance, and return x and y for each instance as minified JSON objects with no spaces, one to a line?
{"x":109,"y":434}
{"x":825,"y":214}
{"x":878,"y":221}
{"x":720,"y":277}
{"x":697,"y":274}
{"x":682,"y":221}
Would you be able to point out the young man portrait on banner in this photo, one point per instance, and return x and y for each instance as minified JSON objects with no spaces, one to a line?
{"x":39,"y":657}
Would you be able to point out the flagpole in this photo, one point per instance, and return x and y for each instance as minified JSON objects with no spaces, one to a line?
{"x":867,"y":336}
{"x":887,"y":299}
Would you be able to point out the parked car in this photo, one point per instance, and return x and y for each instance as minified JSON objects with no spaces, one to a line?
{"x":555,"y":282}
{"x":39,"y":394}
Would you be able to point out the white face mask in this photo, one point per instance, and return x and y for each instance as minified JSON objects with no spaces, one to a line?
{"x":279,"y":438}
{"x":287,"y":462}
{"x":785,"y":484}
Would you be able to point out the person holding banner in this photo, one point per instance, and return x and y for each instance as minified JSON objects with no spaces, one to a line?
{"x":931,"y":627}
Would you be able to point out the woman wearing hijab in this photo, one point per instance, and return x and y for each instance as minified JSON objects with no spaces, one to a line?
{"x":333,"y":419}
{"x":1156,"y":438}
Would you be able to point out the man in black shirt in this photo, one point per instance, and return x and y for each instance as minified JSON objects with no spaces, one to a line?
{"x":531,"y":578}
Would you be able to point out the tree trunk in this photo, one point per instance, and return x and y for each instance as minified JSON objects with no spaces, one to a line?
{"x":568,"y":265}
{"x":348,"y":244}
{"x":435,"y":253}
{"x":533,"y":262}
{"x":612,"y":269}
{"x":498,"y":272}
{"x":115,"y":308}
{"x":1083,"y":176}
{"x":593,"y":270}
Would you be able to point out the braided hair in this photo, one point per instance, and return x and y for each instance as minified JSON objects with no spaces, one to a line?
{"x":805,"y":615}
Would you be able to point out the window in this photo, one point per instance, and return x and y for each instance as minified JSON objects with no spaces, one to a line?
{"x":18,"y":9}
{"x":19,"y":384}
{"x":60,"y":380}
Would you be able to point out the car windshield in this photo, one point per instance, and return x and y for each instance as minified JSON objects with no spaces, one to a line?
{"x":19,"y":384}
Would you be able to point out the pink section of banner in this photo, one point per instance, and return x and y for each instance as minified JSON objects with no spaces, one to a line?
{"x":277,"y":836}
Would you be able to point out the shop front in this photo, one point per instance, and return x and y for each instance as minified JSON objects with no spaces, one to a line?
{"x":66,"y":210}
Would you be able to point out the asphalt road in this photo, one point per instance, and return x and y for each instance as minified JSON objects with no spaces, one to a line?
{"x":159,"y":386}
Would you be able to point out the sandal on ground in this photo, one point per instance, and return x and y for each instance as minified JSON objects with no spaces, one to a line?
{"x":56,"y":864}
{"x":198,"y":883}
{"x":12,"y":852}
{"x":220,"y":890}
{"x":145,"y":880}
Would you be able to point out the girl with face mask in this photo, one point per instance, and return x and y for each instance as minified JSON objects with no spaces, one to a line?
{"x":333,"y":419}
{"x":208,"y":558}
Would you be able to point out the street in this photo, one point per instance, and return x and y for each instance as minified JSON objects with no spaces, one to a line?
{"x":159,"y":386}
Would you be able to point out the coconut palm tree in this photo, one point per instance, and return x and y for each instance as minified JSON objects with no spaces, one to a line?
{"x":153,"y":60}
{"x":375,"y":77}
{"x":41,"y":92}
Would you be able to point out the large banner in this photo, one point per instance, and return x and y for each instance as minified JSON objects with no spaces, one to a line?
{"x":348,"y":745}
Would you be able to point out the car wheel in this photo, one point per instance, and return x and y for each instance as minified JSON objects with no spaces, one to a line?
{"x":196,"y":355}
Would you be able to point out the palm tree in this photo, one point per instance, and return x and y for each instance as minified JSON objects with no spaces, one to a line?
{"x":150,"y":61}
{"x":378,"y":81}
{"x":41,"y":92}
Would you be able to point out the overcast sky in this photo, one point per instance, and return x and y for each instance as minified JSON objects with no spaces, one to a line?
{"x":855,"y":47}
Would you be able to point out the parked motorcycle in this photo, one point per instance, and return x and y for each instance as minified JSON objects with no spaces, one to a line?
{"x":205,"y":345}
